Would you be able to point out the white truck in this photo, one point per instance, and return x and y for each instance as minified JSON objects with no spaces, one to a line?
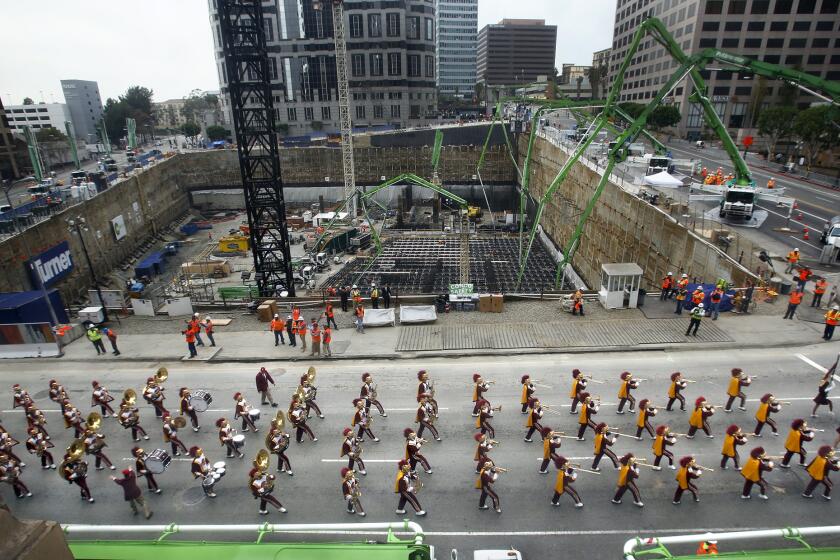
{"x":738,"y":202}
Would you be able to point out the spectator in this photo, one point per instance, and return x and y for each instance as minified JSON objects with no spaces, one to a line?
{"x":208,"y":329}
{"x":386,"y":296}
{"x":132,"y":492}
{"x":290,"y":330}
{"x":112,"y":338}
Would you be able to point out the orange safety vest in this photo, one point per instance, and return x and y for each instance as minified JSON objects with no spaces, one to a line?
{"x":832,"y":317}
{"x":667,"y":282}
{"x":327,"y":335}
{"x":821,"y":286}
{"x":329,"y":310}
{"x":793,"y":257}
{"x":301,"y":328}
{"x":190,"y":334}
{"x":707,"y":549}
{"x":316,"y":334}
{"x":697,"y":297}
{"x":277,"y":325}
{"x":796,"y":298}
{"x":804,"y":273}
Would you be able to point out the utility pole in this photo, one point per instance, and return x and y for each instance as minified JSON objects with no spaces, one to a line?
{"x":78,"y":226}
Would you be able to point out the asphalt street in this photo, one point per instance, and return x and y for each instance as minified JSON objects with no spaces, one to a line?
{"x":528,"y":522}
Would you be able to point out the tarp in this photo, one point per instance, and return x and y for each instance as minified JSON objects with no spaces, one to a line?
{"x":662,"y":179}
{"x":417,"y":313}
{"x":379,"y":317}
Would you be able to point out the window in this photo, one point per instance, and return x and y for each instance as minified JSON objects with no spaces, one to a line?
{"x":801,"y":25}
{"x":358,"y":65}
{"x":378,"y":112}
{"x":291,"y":113}
{"x":394,"y":64}
{"x":395,"y":111}
{"x":325,"y":113}
{"x":829,"y":6}
{"x":806,"y":6}
{"x":376,"y":64}
{"x":736,"y":115}
{"x":733,"y":26}
{"x":778,"y":26}
{"x":775,"y":43}
{"x":714,"y":7}
{"x":743,"y":90}
{"x":413,"y":65}
{"x":825,"y":25}
{"x":797,"y":43}
{"x":412,"y":27}
{"x":430,"y":66}
{"x":771,"y":58}
{"x":752,"y":43}
{"x":730,"y":43}
{"x":374,"y":25}
{"x":833,"y":75}
{"x":793,"y":59}
{"x":395,"y":95}
{"x":835,"y":59}
{"x":308,"y":114}
{"x":356,"y":26}
{"x":755,"y":26}
{"x":360,"y":111}
{"x":737,"y":6}
{"x":268,"y":25}
{"x":695,"y":116}
{"x":393,"y":25}
{"x":711,"y":25}
{"x":720,"y":90}
{"x":272,"y":67}
{"x":760,"y":6}
{"x":783,"y":6}
{"x":708,"y":42}
{"x":816,"y":59}
{"x":430,"y":29}
{"x":820,"y":43}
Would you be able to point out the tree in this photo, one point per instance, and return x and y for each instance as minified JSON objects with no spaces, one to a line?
{"x":196,"y":105}
{"x":190,"y":129}
{"x":136,"y":103}
{"x":664,"y":116}
{"x":632,"y":109}
{"x":216,"y":132}
{"x":579,"y":81}
{"x":775,"y":123}
{"x":50,"y":134}
{"x":597,"y":75}
{"x":28,"y":101}
{"x":818,"y":128}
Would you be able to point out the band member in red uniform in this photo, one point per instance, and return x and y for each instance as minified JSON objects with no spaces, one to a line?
{"x":551,"y":443}
{"x":351,"y":492}
{"x":58,"y":394}
{"x":798,"y":435}
{"x":153,"y":393}
{"x":406,"y":486}
{"x":297,"y":416}
{"x":767,"y":406}
{"x":142,"y":470}
{"x":20,"y":397}
{"x":485,"y":444}
{"x":535,"y":414}
{"x":427,"y":387}
{"x":352,"y":448}
{"x":566,"y":475}
{"x":74,"y":471}
{"x":485,"y":413}
{"x":627,"y":476}
{"x":588,"y":408}
{"x":675,"y":391}
{"x":604,"y":439}
{"x":737,"y":382}
{"x":368,"y":393}
{"x":241,"y":410}
{"x":733,"y":439}
{"x":7,"y":442}
{"x":700,"y":418}
{"x":277,"y":441}
{"x":101,"y":398}
{"x":664,"y":439}
{"x":38,"y":445}
{"x":226,"y":433}
{"x":819,"y":469}
{"x":753,"y":473}
{"x":425,"y":417}
{"x":579,"y":382}
{"x":73,"y":419}
{"x":10,"y":474}
{"x":486,"y":478}
{"x":309,"y":392}
{"x":187,"y":408}
{"x":624,"y":392}
{"x":479,"y":388}
{"x":688,"y":472}
{"x":821,"y":399}
{"x":646,"y":412}
{"x":413,"y":443}
{"x":528,"y":390}
{"x":129,"y":418}
{"x":95,"y":445}
{"x":261,"y":485}
{"x":202,"y":468}
{"x":36,"y":419}
{"x":170,"y":435}
{"x":362,"y":420}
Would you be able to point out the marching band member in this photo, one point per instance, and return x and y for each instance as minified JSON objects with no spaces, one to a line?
{"x":278,"y":442}
{"x":58,"y":394}
{"x":528,"y":390}
{"x":798,"y":435}
{"x":737,"y":382}
{"x":688,"y":471}
{"x":699,"y":418}
{"x":241,"y":411}
{"x":7,"y":442}
{"x":485,"y":413}
{"x":426,"y":387}
{"x":426,"y":417}
{"x":351,"y":491}
{"x":486,"y":478}
{"x":825,"y":386}
{"x":578,"y":387}
{"x":362,"y":419}
{"x":733,"y":439}
{"x":10,"y":473}
{"x":20,"y":397}
{"x":566,"y":475}
{"x":485,"y":444}
{"x":587,"y":410}
{"x":101,"y":398}
{"x":94,"y":445}
{"x":261,"y":485}
{"x":170,"y":435}
{"x":413,"y":443}
{"x":819,"y":469}
{"x":38,"y":445}
{"x":535,"y":414}
{"x":140,"y":466}
{"x":129,"y":418}
{"x":624,"y":393}
{"x":297,"y":415}
{"x":352,"y":448}
{"x":646,"y":412}
{"x":406,"y":487}
{"x":479,"y":388}
{"x":551,"y":443}
{"x":768,"y":405}
{"x":226,"y":433}
{"x":627,"y":476}
{"x":74,"y":471}
{"x":368,"y":393}
{"x":201,"y":468}
{"x":753,"y":473}
{"x":36,"y":419}
{"x":675,"y":391}
{"x":309,"y":392}
{"x":187,"y":408}
{"x":153,"y":393}
{"x":604,"y":439}
{"x":664,"y":439}
{"x":73,"y":419}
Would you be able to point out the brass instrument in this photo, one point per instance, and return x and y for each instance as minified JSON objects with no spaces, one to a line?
{"x":161,"y":375}
{"x":93,"y":422}
{"x":620,"y":434}
{"x":129,"y":397}
{"x":703,"y":468}
{"x":179,"y":422}
{"x":299,"y":394}
{"x":496,"y":409}
{"x":578,"y":468}
{"x":498,"y":469}
{"x":279,"y":420}
{"x":74,"y":453}
{"x":493,"y":442}
{"x":372,"y":391}
{"x":310,"y":374}
{"x":262,"y":460}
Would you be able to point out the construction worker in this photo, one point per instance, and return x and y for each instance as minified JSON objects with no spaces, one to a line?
{"x":329,"y":314}
{"x":315,"y":332}
{"x":682,"y":293}
{"x":819,"y":289}
{"x":696,"y":314}
{"x":792,"y":260}
{"x":831,"y":320}
{"x":715,"y":298}
{"x":276,"y":326}
{"x":374,"y":296}
{"x":359,"y":312}
{"x":771,"y":183}
{"x":667,"y":284}
{"x":793,"y":303}
{"x":326,"y":341}
{"x":802,"y":277}
{"x":208,"y":330}
{"x":95,"y":338}
{"x":704,"y":173}
{"x":577,"y":302}
{"x":697,"y":296}
{"x":300,"y":325}
{"x":189,"y":335}
{"x":290,"y":330}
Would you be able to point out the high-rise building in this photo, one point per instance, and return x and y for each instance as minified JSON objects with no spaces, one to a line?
{"x":799,"y":34}
{"x":37,"y":116}
{"x":516,"y":51}
{"x":8,"y":166}
{"x":391,"y":63}
{"x":457,"y":36}
{"x":85,"y":106}
{"x":601,"y":58}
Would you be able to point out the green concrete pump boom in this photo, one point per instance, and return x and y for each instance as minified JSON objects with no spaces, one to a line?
{"x":34,"y":155}
{"x":71,"y":138}
{"x":131,"y":128}
{"x":436,"y":149}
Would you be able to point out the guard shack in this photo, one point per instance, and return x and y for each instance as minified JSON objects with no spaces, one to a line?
{"x":620,"y":284}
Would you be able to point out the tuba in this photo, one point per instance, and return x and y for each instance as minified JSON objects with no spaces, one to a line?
{"x":279,"y":420}
{"x":161,"y":375}
{"x":262,"y":460}
{"x":129,"y":397}
{"x":74,"y":453}
{"x":310,"y":374}
{"x":93,"y":422}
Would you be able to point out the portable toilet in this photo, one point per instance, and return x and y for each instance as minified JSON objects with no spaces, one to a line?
{"x":620,"y":283}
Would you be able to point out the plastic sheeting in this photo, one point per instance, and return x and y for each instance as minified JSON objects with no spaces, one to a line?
{"x":417,"y":314}
{"x":379,"y":317}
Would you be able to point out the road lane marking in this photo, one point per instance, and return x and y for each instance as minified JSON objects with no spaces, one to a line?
{"x":363,"y":460}
{"x":811,"y":363}
{"x":803,"y":241}
{"x":826,"y":199}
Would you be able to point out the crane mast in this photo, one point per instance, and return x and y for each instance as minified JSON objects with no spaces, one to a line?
{"x":344,"y":105}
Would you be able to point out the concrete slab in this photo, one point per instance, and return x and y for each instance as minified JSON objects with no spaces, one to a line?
{"x":758,"y":218}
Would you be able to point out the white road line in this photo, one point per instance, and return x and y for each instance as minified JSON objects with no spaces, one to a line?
{"x":805,"y":242}
{"x":826,"y":199}
{"x":365,"y":460}
{"x":811,"y":363}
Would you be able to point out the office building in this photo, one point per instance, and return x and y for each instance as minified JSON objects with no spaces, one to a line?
{"x":85,"y":106}
{"x":601,"y":58}
{"x":792,"y":33}
{"x":37,"y":116}
{"x":516,"y":51}
{"x":168,"y":114}
{"x":457,"y":36}
{"x":8,"y":165}
{"x":391,"y":64}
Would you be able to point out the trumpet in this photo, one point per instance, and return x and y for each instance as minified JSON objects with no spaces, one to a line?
{"x":782,"y":402}
{"x":643,"y":464}
{"x":815,"y":429}
{"x":493,"y":442}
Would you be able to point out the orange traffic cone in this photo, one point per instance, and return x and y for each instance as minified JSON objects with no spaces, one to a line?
{"x":795,"y":205}
{"x":799,"y":217}
{"x":805,"y":235}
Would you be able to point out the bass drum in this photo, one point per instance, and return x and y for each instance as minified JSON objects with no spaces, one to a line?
{"x":200,"y":400}
{"x":157,"y":461}
{"x":254,"y":413}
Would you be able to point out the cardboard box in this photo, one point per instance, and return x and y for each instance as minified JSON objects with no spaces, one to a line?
{"x":497,"y":303}
{"x":264,"y":313}
{"x":272,"y":304}
{"x":485,"y":303}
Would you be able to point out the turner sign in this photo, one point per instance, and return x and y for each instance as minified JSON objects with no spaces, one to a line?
{"x":52,"y":265}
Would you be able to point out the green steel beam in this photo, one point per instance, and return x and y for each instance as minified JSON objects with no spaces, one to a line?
{"x":103,"y":135}
{"x":34,"y":156}
{"x":436,"y":150}
{"x":71,"y":138}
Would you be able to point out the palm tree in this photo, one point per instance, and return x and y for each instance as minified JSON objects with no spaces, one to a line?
{"x":579,"y":81}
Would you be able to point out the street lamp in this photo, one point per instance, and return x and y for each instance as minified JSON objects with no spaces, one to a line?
{"x":77,"y":226}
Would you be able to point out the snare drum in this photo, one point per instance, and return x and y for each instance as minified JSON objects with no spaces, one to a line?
{"x":218,"y":473}
{"x":254,"y":413}
{"x":219,"y":465}
{"x":208,"y":481}
{"x":238,"y":441}
{"x":157,"y":461}
{"x":200,"y":400}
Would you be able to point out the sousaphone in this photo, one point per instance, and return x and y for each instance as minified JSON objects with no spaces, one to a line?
{"x":93,"y":422}
{"x":74,"y":452}
{"x":262,"y":460}
{"x":310,"y":375}
{"x":279,"y":420}
{"x":129,"y":397}
{"x":161,"y":375}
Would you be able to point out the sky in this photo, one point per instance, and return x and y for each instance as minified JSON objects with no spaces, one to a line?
{"x":167,"y":45}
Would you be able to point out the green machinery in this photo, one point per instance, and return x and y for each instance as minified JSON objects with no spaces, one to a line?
{"x":71,"y":139}
{"x":689,"y":67}
{"x":131,"y":128}
{"x":34,"y":155}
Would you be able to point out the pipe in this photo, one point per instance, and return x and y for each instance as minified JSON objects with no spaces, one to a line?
{"x":786,"y":533}
{"x":404,"y":525}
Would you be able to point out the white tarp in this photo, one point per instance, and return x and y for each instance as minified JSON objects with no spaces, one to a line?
{"x":417,"y":314}
{"x":379,"y":317}
{"x":662,"y":179}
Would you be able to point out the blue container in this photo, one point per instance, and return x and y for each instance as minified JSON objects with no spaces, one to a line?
{"x":189,"y":229}
{"x":30,"y":307}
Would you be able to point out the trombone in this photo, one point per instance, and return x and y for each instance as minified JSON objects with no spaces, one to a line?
{"x":577,"y":467}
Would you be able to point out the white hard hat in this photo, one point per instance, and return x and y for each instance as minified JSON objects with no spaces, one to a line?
{"x":276,"y":315}
{"x":835,"y":307}
{"x":207,"y":318}
{"x":373,"y":284}
{"x":796,"y":248}
{"x":195,"y":314}
{"x":700,"y":305}
{"x":288,"y":317}
{"x":685,"y":275}
{"x":355,"y":286}
{"x":670,"y":274}
{"x":772,"y":178}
